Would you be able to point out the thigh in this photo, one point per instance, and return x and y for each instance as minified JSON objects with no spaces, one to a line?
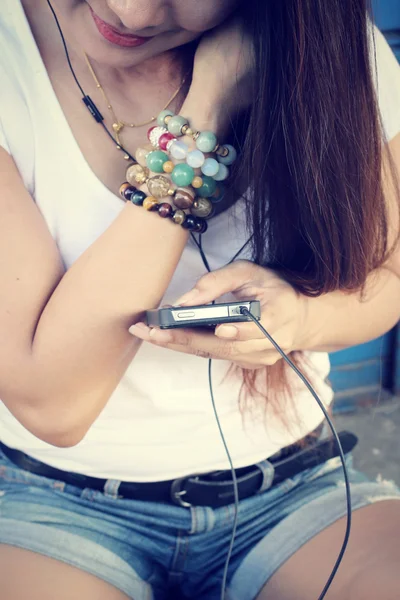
{"x":370,"y":568}
{"x":25,"y":574}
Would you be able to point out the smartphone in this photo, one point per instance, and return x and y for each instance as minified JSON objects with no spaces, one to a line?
{"x":205,"y":315}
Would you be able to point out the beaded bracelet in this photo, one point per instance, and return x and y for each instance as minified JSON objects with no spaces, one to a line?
{"x":183,"y":197}
{"x":159,"y":186}
{"x":164,"y":137}
{"x":165,"y":210}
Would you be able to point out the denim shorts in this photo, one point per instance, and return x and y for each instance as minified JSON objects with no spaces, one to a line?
{"x":147,"y":549}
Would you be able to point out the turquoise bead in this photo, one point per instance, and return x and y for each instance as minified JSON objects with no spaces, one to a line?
{"x":175,"y":125}
{"x":207,"y":141}
{"x":155,"y":161}
{"x":208,"y":188}
{"x":219,"y":194}
{"x":162,"y":115}
{"x":230,"y":158}
{"x":182,"y":175}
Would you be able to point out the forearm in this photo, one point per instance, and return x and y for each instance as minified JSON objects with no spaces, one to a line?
{"x":340,"y":319}
{"x":81,"y":347}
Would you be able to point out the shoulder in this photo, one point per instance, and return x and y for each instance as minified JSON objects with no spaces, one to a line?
{"x":16,"y":130}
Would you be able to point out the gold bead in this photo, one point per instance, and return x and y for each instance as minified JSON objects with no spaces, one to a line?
{"x":150,"y":203}
{"x":196,"y":135}
{"x":167,"y":119}
{"x":186,"y":130}
{"x":222,"y":151}
{"x":126,"y":157}
{"x":117,"y":127}
{"x":197,"y":182}
{"x":171,"y":192}
{"x":168,"y":166}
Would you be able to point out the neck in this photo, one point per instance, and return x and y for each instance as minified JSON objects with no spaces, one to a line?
{"x":164,"y":71}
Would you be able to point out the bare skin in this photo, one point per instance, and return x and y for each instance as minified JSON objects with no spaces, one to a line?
{"x":59,"y":318}
{"x":45,"y":579}
{"x":370,"y":568}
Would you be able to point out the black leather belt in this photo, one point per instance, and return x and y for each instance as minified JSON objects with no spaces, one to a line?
{"x":213,"y":489}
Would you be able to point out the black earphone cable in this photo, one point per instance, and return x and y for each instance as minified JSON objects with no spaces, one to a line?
{"x":88,"y":102}
{"x":246,"y":312}
{"x":100,"y":119}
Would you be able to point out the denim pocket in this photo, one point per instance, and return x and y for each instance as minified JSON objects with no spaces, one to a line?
{"x":11,"y":474}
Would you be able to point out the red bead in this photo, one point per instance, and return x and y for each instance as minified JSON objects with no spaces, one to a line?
{"x":165,"y":210}
{"x":165,"y":139}
{"x":149,"y":131}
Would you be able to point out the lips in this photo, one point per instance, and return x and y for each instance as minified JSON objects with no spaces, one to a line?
{"x":114,"y":36}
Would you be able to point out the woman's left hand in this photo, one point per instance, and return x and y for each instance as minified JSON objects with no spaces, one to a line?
{"x":283,"y":315}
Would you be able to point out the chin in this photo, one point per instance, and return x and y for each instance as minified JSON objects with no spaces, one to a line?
{"x":112,"y":55}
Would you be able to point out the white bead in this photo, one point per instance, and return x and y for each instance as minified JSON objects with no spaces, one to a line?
{"x":179,"y":150}
{"x":210,"y":167}
{"x":155,"y":135}
{"x":222,"y":174}
{"x":195,"y":159}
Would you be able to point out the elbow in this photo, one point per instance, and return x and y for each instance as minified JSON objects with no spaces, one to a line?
{"x":57,"y":432}
{"x":63,"y":422}
{"x":55,"y":429}
{"x":60,"y":439}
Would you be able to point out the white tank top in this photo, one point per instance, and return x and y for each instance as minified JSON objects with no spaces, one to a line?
{"x":159,"y":422}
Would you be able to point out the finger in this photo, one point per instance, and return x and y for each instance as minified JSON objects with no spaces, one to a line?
{"x":205,"y":344}
{"x":240,"y":332}
{"x":217,"y":283}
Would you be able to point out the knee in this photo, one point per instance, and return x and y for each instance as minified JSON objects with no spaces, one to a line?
{"x":372,"y":582}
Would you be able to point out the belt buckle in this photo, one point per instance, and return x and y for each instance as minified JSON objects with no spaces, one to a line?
{"x":177,"y":493}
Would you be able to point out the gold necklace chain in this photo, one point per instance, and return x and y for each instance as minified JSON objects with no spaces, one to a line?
{"x":118,"y":124}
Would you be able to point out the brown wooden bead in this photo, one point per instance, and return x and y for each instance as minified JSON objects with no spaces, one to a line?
{"x":150,"y":203}
{"x":183,"y":198}
{"x":165,"y":210}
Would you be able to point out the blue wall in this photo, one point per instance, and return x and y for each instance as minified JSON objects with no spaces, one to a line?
{"x":361,"y":373}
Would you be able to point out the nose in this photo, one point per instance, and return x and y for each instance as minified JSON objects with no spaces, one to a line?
{"x":142,"y":16}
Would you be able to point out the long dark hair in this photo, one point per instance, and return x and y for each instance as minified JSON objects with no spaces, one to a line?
{"x":313,"y":147}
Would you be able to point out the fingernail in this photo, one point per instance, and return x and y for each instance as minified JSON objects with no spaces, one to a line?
{"x":158,"y":335}
{"x":139,"y":329}
{"x":227,"y":331}
{"x":188,"y":298}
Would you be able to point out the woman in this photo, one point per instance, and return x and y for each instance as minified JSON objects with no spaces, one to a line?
{"x":96,"y":408}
